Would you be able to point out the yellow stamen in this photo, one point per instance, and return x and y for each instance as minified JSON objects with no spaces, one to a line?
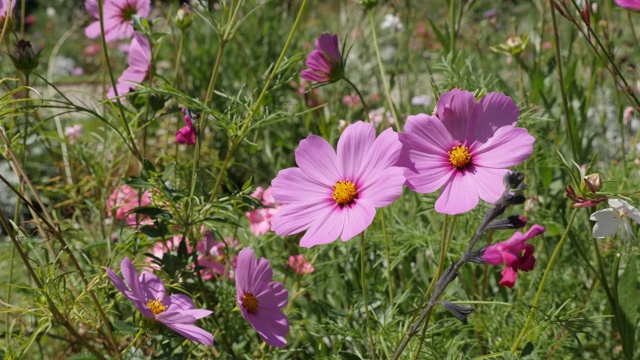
{"x":156,"y":307}
{"x":250,"y":302}
{"x":344,"y":192}
{"x":459,"y":156}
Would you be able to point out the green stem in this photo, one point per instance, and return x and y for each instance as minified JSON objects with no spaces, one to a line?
{"x":452,"y":33}
{"x":385,"y":83}
{"x":364,"y":295}
{"x":387,"y":250}
{"x":536,"y":300}
{"x":254,"y":108}
{"x":633,"y":29}
{"x":364,"y":105}
{"x":5,"y":26}
{"x":133,"y":342}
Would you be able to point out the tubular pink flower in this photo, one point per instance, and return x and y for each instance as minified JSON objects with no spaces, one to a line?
{"x":261,"y":300}
{"x":629,"y":4}
{"x":465,"y":149}
{"x":139,"y":66}
{"x":336,"y":195}
{"x":514,"y":253}
{"x":325,"y":63}
{"x":117,"y":17}
{"x":147,"y":293}
{"x":187,"y":134}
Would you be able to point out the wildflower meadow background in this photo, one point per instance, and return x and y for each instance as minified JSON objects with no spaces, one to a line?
{"x":297,"y":179}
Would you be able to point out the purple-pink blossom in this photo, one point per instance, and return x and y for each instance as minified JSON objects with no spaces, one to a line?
{"x":123,"y":200}
{"x":213,"y":256}
{"x":300,"y":264}
{"x":117,"y":17}
{"x":260,"y":219}
{"x":465,"y":149}
{"x":629,"y":4}
{"x":514,"y":253}
{"x":333,"y":195}
{"x":261,"y":300}
{"x":5,"y":11}
{"x":139,"y":66}
{"x":187,"y":134}
{"x":147,"y":293}
{"x":325,"y":63}
{"x":73,"y":133}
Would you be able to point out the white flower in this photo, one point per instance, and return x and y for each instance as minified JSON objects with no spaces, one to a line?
{"x":392,"y":22}
{"x":608,"y":221}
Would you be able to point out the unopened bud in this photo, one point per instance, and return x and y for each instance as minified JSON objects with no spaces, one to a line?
{"x":183,"y":18}
{"x":511,"y":222}
{"x":23,"y":57}
{"x":369,"y":4}
{"x":593,"y":182}
{"x":514,"y":180}
{"x":459,"y":311}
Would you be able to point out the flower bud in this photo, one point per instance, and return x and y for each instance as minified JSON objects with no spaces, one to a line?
{"x":183,"y":18}
{"x":23,"y":57}
{"x":459,"y":311}
{"x":593,"y":182}
{"x":369,"y":4}
{"x":511,"y":222}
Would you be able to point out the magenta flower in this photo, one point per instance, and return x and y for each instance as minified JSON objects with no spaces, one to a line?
{"x":515,"y":253}
{"x":213,"y":257}
{"x":187,"y":134}
{"x":260,"y":219}
{"x":336,"y":195}
{"x":629,"y":4}
{"x":465,"y":149}
{"x":325,"y":63}
{"x":147,"y":293}
{"x":300,"y":264}
{"x":139,"y":66}
{"x":123,"y":200}
{"x":117,"y":17}
{"x":5,"y":11}
{"x":260,"y":300}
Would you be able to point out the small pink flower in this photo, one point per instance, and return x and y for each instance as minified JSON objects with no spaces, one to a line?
{"x":73,"y":132}
{"x":260,"y":219}
{"x":261,"y":300}
{"x":465,"y":149}
{"x":92,"y":49}
{"x":213,"y":256}
{"x":300,"y":265}
{"x":123,"y":199}
{"x":514,"y":253}
{"x":629,"y":4}
{"x":162,"y":247}
{"x":627,"y":114}
{"x":379,"y":116}
{"x":351,"y":100}
{"x":325,"y":63}
{"x":187,"y":134}
{"x":139,"y":66}
{"x":5,"y":12}
{"x":117,"y":17}
{"x":77,"y":71}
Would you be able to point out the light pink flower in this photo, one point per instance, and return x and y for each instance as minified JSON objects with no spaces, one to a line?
{"x":73,"y":132}
{"x":92,"y":49}
{"x":325,"y":63}
{"x":213,"y":256}
{"x":465,"y":149}
{"x":514,"y":253}
{"x":5,"y":11}
{"x":260,"y":219}
{"x":629,"y":4}
{"x":261,"y":300}
{"x":300,"y":265}
{"x":187,"y":134}
{"x":139,"y":66}
{"x":162,"y":247}
{"x":117,"y":17}
{"x":379,"y":116}
{"x":123,"y":199}
{"x":627,"y":114}
{"x":351,"y":100}
{"x":336,"y":195}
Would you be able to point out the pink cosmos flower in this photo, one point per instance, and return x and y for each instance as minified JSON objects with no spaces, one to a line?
{"x":325,"y":63}
{"x":117,"y":17}
{"x":187,"y":134}
{"x":260,"y":219}
{"x":515,"y":253}
{"x":629,"y":4}
{"x":336,"y":195}
{"x":213,"y":256}
{"x":465,"y":149}
{"x":73,"y":132}
{"x":300,"y":265}
{"x":260,"y":300}
{"x":123,"y":199}
{"x":147,"y":293}
{"x":5,"y":11}
{"x":139,"y":66}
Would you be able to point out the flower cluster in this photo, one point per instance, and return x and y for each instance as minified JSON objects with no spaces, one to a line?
{"x":260,"y":219}
{"x":123,"y":200}
{"x":300,"y":264}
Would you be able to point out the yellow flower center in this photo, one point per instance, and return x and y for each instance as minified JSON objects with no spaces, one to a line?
{"x":250,"y":302}
{"x":459,"y":156}
{"x":344,"y":192}
{"x":156,"y":307}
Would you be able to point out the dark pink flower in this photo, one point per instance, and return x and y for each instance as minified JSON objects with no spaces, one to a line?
{"x":300,"y":264}
{"x":260,"y":219}
{"x":147,"y":293}
{"x":325,"y":63}
{"x":465,"y":149}
{"x":629,"y":4}
{"x":213,"y":256}
{"x":261,"y":300}
{"x":514,"y":253}
{"x":117,"y":17}
{"x":139,"y":66}
{"x":187,"y":134}
{"x":123,"y":199}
